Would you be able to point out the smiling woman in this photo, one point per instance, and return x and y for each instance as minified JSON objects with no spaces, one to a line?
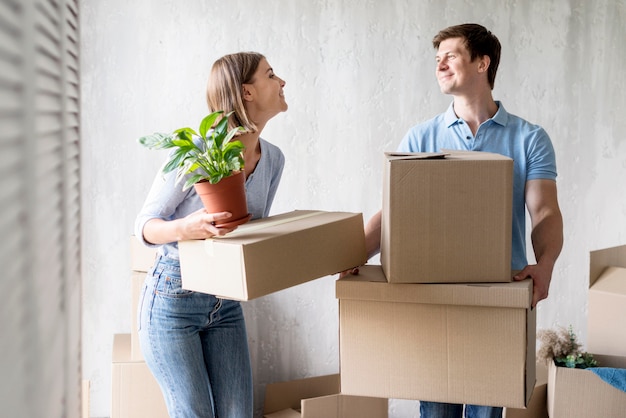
{"x":196,"y":344}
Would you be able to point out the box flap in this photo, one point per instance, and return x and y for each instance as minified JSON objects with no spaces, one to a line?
{"x":611,"y":280}
{"x":601,"y":259}
{"x":415,"y":155}
{"x":371,"y":284}
{"x":474,"y":155}
{"x":288,"y":395}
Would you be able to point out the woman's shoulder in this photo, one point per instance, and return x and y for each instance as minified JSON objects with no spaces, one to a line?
{"x":272,"y":150}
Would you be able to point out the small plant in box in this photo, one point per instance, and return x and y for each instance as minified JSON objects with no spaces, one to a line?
{"x":562,"y":347}
{"x":211,"y":161}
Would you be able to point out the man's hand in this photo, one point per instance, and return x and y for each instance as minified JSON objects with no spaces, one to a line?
{"x":354,"y":271}
{"x":541,"y":280}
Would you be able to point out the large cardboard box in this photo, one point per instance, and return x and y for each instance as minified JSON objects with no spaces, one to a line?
{"x":606,"y":331}
{"x":319,"y":397}
{"x":141,"y":261}
{"x":134,"y":391}
{"x":580,"y":393}
{"x":538,"y":404}
{"x":447,"y":219}
{"x":457,"y":343}
{"x":271,"y":254}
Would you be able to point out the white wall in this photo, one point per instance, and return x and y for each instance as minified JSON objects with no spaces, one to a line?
{"x":359,"y":74}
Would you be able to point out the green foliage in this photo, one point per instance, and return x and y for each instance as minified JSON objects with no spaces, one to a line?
{"x":562,"y":347}
{"x":214,"y":157}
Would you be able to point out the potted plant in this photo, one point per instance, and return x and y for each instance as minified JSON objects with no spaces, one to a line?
{"x":562,"y":347}
{"x":211,"y":161}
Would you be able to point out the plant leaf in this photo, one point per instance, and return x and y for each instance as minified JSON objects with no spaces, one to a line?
{"x":208,"y":122}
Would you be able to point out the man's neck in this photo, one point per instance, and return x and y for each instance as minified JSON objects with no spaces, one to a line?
{"x":475,"y":110}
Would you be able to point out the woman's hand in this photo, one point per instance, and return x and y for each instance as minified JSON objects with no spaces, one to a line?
{"x":201,"y":224}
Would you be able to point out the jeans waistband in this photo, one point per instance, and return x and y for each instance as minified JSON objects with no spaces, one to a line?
{"x":164,"y":261}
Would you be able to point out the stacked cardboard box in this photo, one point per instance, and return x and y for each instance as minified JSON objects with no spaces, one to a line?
{"x":447,"y":220}
{"x":318,"y":397}
{"x":141,"y":260}
{"x":440,"y":319}
{"x":134,"y":391}
{"x":581,"y":393}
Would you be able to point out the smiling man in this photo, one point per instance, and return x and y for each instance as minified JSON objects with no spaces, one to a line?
{"x":467,"y":60}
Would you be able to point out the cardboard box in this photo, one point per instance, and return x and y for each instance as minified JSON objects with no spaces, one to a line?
{"x":538,"y":404}
{"x":134,"y":391}
{"x":136,"y":283}
{"x":606,"y":333}
{"x":580,"y":393}
{"x":141,"y":257}
{"x":457,"y":343}
{"x":271,"y":254}
{"x":319,"y":397}
{"x":447,"y":220}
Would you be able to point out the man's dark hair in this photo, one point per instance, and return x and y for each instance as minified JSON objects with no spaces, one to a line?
{"x":479,"y":42}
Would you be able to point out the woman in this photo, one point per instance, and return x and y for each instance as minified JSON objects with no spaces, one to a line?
{"x":195,"y":344}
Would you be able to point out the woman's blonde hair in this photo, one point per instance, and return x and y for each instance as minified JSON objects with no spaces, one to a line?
{"x":225,"y":87}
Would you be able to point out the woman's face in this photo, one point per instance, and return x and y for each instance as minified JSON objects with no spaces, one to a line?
{"x":264,"y":94}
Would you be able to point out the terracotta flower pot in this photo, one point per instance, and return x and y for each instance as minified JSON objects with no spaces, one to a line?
{"x":228,"y":195}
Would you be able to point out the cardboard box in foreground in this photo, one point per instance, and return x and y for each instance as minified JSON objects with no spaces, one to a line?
{"x":447,"y":220}
{"x":319,"y":397}
{"x":580,"y":393}
{"x":606,"y":331}
{"x":271,"y":254}
{"x":134,"y":390}
{"x":457,"y":343}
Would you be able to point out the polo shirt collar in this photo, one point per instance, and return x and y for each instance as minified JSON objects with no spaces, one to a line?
{"x":500,"y":117}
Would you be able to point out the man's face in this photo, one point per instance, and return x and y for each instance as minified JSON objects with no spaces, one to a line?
{"x":455,"y":72}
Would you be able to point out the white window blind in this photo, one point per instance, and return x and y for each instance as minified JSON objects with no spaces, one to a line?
{"x":39,"y":196}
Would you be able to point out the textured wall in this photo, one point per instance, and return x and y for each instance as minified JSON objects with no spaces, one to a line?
{"x":359,"y":74}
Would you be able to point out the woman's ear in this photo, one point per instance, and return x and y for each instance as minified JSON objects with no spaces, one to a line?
{"x":246,"y":92}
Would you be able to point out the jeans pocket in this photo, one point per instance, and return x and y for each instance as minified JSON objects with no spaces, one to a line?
{"x":169,"y":285}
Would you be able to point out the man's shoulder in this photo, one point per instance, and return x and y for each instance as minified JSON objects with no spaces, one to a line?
{"x":513,"y":120}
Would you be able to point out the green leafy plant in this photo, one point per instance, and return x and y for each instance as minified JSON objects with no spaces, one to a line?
{"x":211,"y":157}
{"x":562,"y":347}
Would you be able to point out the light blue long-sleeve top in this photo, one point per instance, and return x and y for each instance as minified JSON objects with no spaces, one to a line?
{"x":166,"y":199}
{"x":527,"y":144}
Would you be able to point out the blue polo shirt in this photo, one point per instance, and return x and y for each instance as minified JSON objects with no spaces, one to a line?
{"x":528,"y":145}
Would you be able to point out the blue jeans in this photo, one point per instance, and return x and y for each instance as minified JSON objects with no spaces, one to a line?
{"x":452,"y":410}
{"x":196,"y":347}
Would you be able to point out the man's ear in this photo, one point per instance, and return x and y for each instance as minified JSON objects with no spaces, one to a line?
{"x":246,"y":92}
{"x":483,"y":65}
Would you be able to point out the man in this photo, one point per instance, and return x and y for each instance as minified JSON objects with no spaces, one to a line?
{"x":467,"y":60}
